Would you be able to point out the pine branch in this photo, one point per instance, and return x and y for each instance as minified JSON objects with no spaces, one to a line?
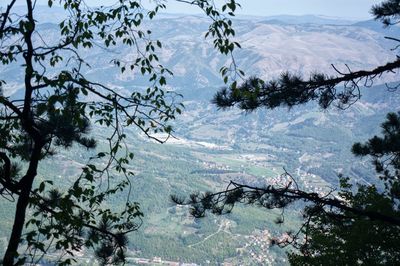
{"x":290,"y":90}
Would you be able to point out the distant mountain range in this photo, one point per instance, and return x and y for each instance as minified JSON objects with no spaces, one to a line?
{"x":271,"y":45}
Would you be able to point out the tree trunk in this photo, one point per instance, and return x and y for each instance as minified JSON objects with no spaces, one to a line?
{"x":25,"y":186}
{"x":18,"y":226}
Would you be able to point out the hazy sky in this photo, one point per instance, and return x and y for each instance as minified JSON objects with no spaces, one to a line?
{"x":335,"y":8}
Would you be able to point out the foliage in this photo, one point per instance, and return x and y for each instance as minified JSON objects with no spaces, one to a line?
{"x":290,"y":90}
{"x":58,"y":106}
{"x":348,"y":239}
{"x":387,"y":12}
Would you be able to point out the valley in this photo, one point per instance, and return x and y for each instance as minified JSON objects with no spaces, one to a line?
{"x":211,"y":147}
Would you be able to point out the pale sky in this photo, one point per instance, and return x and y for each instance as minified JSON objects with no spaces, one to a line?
{"x":358,"y":9}
{"x":335,"y":8}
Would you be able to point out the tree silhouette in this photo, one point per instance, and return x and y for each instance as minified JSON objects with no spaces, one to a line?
{"x":57,"y":108}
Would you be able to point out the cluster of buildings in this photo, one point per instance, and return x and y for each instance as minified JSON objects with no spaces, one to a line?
{"x":257,"y":248}
{"x":312,"y":183}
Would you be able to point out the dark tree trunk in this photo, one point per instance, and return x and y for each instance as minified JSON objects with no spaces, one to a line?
{"x":25,"y":186}
{"x":18,"y":226}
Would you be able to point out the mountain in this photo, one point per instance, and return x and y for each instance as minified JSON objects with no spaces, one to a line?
{"x":268,"y":49}
{"x":212,"y":146}
{"x":309,"y":19}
